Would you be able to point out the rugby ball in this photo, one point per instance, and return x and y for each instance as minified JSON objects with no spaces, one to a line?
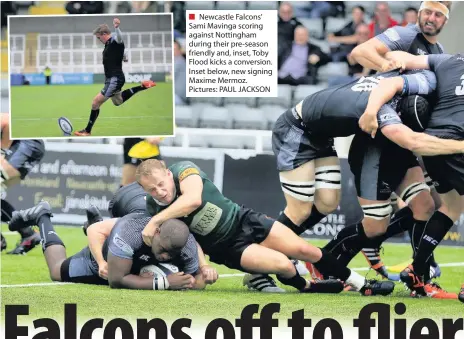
{"x":161,"y":269}
{"x":65,"y":126}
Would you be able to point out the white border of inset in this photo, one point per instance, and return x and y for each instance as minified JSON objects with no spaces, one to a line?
{"x":113,"y":15}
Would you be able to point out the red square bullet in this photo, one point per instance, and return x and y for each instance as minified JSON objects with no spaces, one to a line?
{"x":191,"y":16}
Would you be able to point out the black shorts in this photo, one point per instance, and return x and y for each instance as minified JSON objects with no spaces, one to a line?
{"x":293,"y":146}
{"x":113,"y":85}
{"x":254,"y":227}
{"x":446,"y":172}
{"x":378,"y":166}
{"x":24,"y":155}
{"x":127,"y":145}
{"x":81,"y":268}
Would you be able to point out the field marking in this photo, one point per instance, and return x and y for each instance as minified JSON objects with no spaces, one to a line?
{"x":232,"y":275}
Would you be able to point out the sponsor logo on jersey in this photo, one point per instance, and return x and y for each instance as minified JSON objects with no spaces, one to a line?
{"x":421,"y":52}
{"x":121,"y":244}
{"x":189,"y":171}
{"x":144,"y":257}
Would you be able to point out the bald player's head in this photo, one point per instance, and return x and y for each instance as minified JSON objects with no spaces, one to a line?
{"x":169,"y":240}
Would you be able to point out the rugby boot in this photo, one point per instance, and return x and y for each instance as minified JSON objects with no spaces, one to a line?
{"x":30,"y":216}
{"x":375,"y":287}
{"x":148,"y":84}
{"x":413,"y":281}
{"x":82,"y":133}
{"x":461,"y":294}
{"x":435,"y":291}
{"x":261,"y":283}
{"x":3,"y":242}
{"x":26,"y":244}
{"x":372,"y":256}
{"x":93,"y":216}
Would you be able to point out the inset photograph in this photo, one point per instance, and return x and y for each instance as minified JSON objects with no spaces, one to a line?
{"x":78,"y":76}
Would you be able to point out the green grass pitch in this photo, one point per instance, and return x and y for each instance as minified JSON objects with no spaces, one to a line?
{"x":35,"y":111}
{"x":224,"y":299}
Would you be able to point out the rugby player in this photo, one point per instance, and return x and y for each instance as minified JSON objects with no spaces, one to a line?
{"x":118,"y":258}
{"x":418,"y":39}
{"x":235,"y":236}
{"x":113,"y":55}
{"x":18,"y":158}
{"x":130,"y":199}
{"x":447,"y":171}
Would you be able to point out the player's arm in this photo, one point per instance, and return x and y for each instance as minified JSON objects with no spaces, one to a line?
{"x":421,"y":83}
{"x":207,"y":272}
{"x":117,"y":31}
{"x":372,"y":53}
{"x":421,"y":143}
{"x":97,"y":234}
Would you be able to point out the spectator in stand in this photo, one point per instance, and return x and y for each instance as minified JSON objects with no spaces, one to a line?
{"x":382,"y":19}
{"x":355,"y":69}
{"x":144,"y":6}
{"x":8,"y":8}
{"x":287,"y":23}
{"x":85,"y":7}
{"x":409,"y":16}
{"x":324,"y":9}
{"x":178,"y":13}
{"x":347,"y":37}
{"x":300,"y":60}
{"x":179,"y":75}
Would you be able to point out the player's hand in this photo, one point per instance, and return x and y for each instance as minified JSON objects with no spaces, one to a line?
{"x":103,"y":270}
{"x":368,"y":123}
{"x":313,"y":59}
{"x":210,"y":274}
{"x":180,"y":281}
{"x":153,"y":141}
{"x":116,"y":22}
{"x":149,"y":231}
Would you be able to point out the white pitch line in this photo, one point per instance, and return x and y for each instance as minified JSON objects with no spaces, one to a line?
{"x":118,"y":117}
{"x":451,"y":264}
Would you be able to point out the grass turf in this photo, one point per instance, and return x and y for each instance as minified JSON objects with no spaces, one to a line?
{"x":224,"y":299}
{"x":149,"y":112}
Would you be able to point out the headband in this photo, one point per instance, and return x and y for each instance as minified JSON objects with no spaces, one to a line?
{"x":435,"y":6}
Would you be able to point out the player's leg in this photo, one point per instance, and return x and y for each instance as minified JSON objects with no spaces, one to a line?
{"x":98,"y":100}
{"x":461,"y":294}
{"x":125,"y":95}
{"x":448,"y":173}
{"x":282,"y":239}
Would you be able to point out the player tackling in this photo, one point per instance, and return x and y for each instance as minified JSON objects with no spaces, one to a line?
{"x":113,"y":57}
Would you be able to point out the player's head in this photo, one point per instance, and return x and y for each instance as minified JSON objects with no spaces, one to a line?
{"x":414,"y":111}
{"x":102,"y":32}
{"x":169,"y":240}
{"x":156,"y":180}
{"x":433,"y":15}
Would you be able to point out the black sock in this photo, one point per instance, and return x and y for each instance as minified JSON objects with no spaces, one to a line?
{"x":287,"y":222}
{"x":128,"y":93}
{"x":401,"y":222}
{"x":350,"y":239}
{"x":416,"y":234}
{"x":297,"y":281}
{"x":329,"y":266}
{"x":313,"y":218}
{"x":435,"y":230}
{"x":47,"y":233}
{"x":93,"y":118}
{"x":7,"y":212}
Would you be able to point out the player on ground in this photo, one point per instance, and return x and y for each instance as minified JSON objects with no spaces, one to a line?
{"x":17,"y":159}
{"x":418,"y":39}
{"x":235,"y":236}
{"x":117,"y":260}
{"x":113,"y":55}
{"x":447,"y":171}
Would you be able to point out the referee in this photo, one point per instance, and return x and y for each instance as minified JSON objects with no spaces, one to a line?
{"x":113,"y":56}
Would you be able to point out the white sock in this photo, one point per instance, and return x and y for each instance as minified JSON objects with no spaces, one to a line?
{"x":356,"y":280}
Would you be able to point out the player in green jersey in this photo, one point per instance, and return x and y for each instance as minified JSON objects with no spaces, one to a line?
{"x":236,"y":236}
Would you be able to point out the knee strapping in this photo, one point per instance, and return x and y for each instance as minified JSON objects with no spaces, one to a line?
{"x":413,"y":190}
{"x":328,"y":177}
{"x":377,"y":211}
{"x":300,"y":190}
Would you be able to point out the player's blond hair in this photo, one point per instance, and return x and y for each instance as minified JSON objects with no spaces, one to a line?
{"x":147,"y":167}
{"x":102,"y":29}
